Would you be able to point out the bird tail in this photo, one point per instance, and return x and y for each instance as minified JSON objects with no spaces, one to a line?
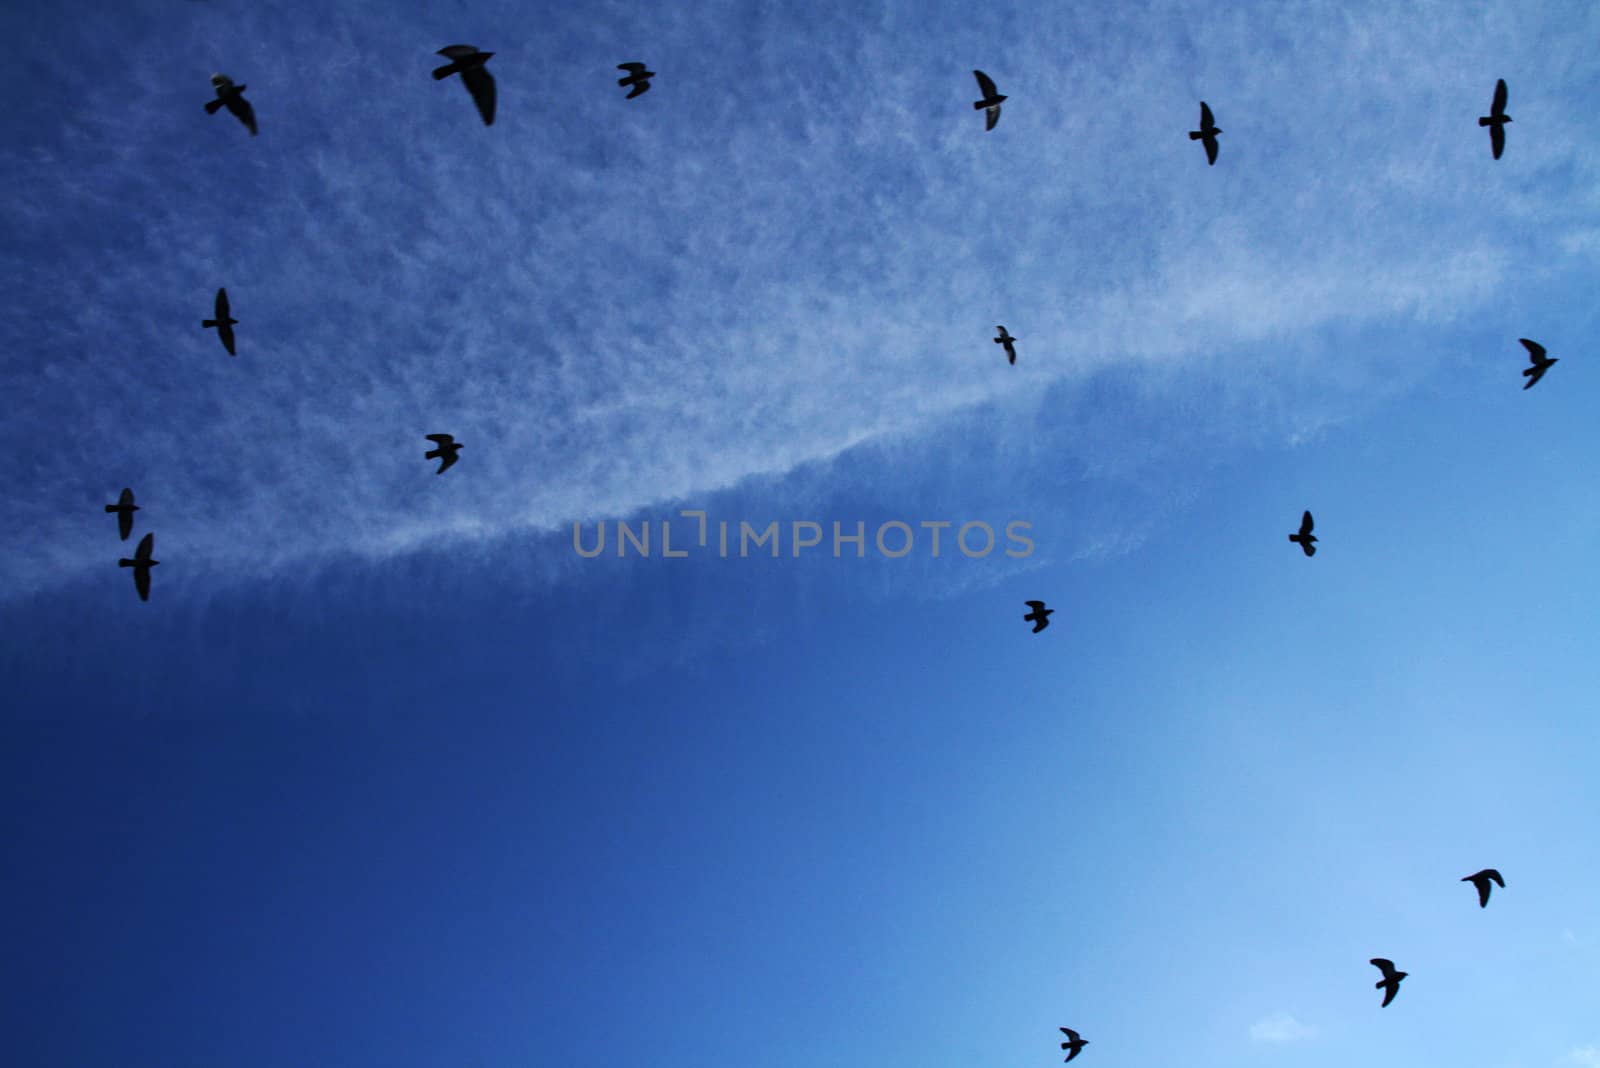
{"x":1194,"y":135}
{"x":213,"y":106}
{"x":441,"y":73}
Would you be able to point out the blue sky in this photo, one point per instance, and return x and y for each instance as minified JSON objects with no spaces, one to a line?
{"x":385,"y":773}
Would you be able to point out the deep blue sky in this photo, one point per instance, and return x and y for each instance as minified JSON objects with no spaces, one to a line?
{"x":385,"y":774}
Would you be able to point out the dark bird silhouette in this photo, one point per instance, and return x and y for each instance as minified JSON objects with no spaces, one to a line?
{"x":1040,"y":618}
{"x":1073,"y":1043}
{"x":468,"y":62}
{"x":141,"y":564}
{"x":637,"y":77}
{"x":449,"y":449}
{"x":1541,"y":362}
{"x":1390,"y":983}
{"x":1007,"y":340}
{"x":991,"y":99}
{"x":223,"y":322}
{"x":231,"y":96}
{"x":124,"y":509}
{"x":1207,"y":134}
{"x":1496,"y":119}
{"x":1305,"y":537}
{"x":1481,"y":880}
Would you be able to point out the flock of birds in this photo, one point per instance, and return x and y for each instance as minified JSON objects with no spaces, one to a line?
{"x":470,"y":63}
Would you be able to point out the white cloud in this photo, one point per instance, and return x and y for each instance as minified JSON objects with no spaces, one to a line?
{"x":620,"y":308}
{"x":1586,"y":1056}
{"x":1281,"y":1027}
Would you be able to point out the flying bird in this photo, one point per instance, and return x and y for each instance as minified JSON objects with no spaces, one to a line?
{"x":1496,"y":119}
{"x":468,"y":62}
{"x":1481,"y":881}
{"x":637,"y":77}
{"x":141,"y":564}
{"x":223,"y":322}
{"x":991,"y":99}
{"x":1207,"y":133}
{"x":231,"y":96}
{"x":1007,"y":340}
{"x":124,"y":508}
{"x":1040,"y":618}
{"x":1390,"y":983}
{"x":449,"y":449}
{"x":1541,"y":362}
{"x":1073,"y":1043}
{"x":1305,"y":537}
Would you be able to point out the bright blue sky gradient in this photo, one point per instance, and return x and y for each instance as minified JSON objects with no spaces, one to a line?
{"x":384,"y":774}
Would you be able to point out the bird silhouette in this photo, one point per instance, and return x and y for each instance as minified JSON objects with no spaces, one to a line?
{"x":1541,"y":362}
{"x":991,"y":99}
{"x":1496,"y":119}
{"x":1305,"y":537}
{"x":1040,"y":618}
{"x":231,"y":96}
{"x":449,"y":449}
{"x":141,"y":564}
{"x":124,"y":508}
{"x":468,"y":62}
{"x":637,"y":77}
{"x":223,"y":322}
{"x":1073,"y":1043}
{"x":1006,"y":340}
{"x":1390,"y":983}
{"x":1481,"y":880}
{"x":1207,"y":134}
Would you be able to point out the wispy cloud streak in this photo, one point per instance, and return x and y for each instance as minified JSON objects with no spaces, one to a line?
{"x":800,"y":241}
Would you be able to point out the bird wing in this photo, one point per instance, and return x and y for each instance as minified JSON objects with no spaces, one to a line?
{"x":641,"y":87}
{"x":222,"y":304}
{"x":1389,"y":991}
{"x":985,"y":84}
{"x":992,"y":114}
{"x":1495,"y":875}
{"x":457,"y":51}
{"x":1306,"y":525}
{"x":225,"y":332}
{"x":442,"y":439}
{"x":1206,"y":120}
{"x":141,"y":582}
{"x":480,"y":83}
{"x":1211,"y":149}
{"x":635,"y":68}
{"x":1070,"y":1033}
{"x":125,"y":498}
{"x":147,"y":545}
{"x":1037,"y":606}
{"x":448,"y":459}
{"x":1535,"y":350}
{"x":125,"y":524}
{"x":1498,"y":107}
{"x":1497,"y":139}
{"x":1383,"y":964}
